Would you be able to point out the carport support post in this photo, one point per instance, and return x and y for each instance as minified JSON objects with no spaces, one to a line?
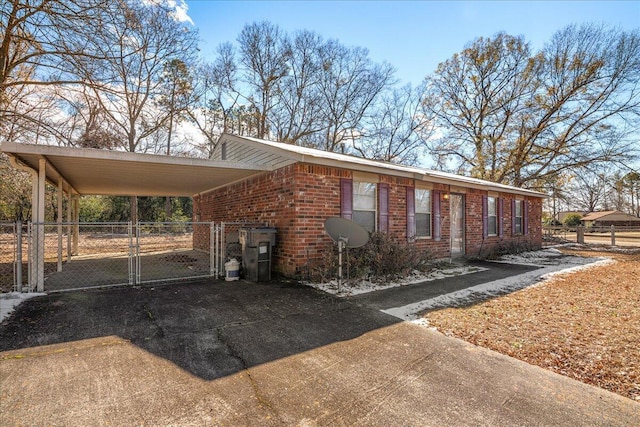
{"x":69,"y":219}
{"x":39,"y":220}
{"x":59,"y":221}
{"x":613,"y":235}
{"x":76,"y":223}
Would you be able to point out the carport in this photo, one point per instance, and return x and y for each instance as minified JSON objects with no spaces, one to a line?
{"x":75,"y":172}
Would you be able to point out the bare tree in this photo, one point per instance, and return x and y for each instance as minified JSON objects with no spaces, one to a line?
{"x":632,"y":184}
{"x":175,"y":96}
{"x":588,"y":189}
{"x":86,"y":124}
{"x":264,"y":54}
{"x":38,"y":40}
{"x":217,"y":106}
{"x":15,"y":190}
{"x":397,"y":129}
{"x":298,"y":107}
{"x":136,"y":42}
{"x":175,"y":99}
{"x":512,"y":116}
{"x":349,"y":84}
{"x":133,"y":45}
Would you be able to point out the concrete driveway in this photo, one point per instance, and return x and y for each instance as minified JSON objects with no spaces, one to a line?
{"x":217,"y":353}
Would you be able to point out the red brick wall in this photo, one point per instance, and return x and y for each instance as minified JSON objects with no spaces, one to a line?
{"x":476,"y":246}
{"x":298,"y":198}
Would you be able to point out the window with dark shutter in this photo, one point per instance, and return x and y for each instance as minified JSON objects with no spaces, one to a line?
{"x":485,"y":216}
{"x":346,"y":198}
{"x":525,"y":216}
{"x":423,"y":212}
{"x":437,"y":232}
{"x":517,"y":216}
{"x":411,"y":213}
{"x":364,"y":204}
{"x":500,"y":216}
{"x":383,"y":207}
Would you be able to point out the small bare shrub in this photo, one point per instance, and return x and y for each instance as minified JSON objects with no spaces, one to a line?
{"x":381,"y":259}
{"x":510,"y":248}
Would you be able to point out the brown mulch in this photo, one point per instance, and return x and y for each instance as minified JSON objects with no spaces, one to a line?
{"x":585,"y":325}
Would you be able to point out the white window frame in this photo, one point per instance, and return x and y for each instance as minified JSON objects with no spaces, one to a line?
{"x":421,"y":210}
{"x":492,"y":216}
{"x":358,"y":186}
{"x":519,"y":217}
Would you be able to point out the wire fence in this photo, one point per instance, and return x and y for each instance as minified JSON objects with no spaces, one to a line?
{"x":8,"y":256}
{"x":65,"y":256}
{"x":612,"y":235}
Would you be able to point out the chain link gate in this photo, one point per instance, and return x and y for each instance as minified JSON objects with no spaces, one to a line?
{"x":72,"y":256}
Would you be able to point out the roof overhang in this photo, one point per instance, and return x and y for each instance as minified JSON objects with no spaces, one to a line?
{"x":281,"y":154}
{"x":101,"y":172}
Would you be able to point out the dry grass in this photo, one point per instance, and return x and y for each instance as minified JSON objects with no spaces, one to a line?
{"x":585,"y":325}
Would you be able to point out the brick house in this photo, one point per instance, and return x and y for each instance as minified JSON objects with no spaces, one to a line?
{"x":447,"y":214}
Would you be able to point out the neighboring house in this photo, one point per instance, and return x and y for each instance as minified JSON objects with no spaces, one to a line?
{"x":609,"y":218}
{"x":564,"y":214}
{"x":446,"y":214}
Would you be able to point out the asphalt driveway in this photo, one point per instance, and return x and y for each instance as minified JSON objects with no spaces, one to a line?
{"x":237,"y":353}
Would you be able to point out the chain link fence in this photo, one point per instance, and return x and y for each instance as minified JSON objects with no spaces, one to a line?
{"x":89,"y":255}
{"x":9,"y":255}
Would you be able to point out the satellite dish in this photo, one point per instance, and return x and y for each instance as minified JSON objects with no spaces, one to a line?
{"x":353,"y":235}
{"x":347,"y":234}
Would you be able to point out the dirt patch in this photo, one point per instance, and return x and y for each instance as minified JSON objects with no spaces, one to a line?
{"x":584,"y":325}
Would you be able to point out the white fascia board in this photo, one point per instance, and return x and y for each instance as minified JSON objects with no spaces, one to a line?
{"x":327,"y":158}
{"x":123,"y":156}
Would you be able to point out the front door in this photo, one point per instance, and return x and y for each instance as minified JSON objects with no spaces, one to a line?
{"x":457,"y":224}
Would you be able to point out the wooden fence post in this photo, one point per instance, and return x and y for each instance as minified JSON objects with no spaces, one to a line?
{"x":613,"y":235}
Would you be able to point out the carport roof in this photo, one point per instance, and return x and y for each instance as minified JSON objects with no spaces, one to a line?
{"x":100,"y":172}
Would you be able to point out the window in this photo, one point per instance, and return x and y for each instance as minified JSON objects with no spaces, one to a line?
{"x":423,"y":213}
{"x":517,"y":217}
{"x":492,"y":216}
{"x":364,"y":204}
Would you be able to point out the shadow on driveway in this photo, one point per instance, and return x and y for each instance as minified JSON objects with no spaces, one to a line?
{"x":278,"y":354}
{"x":209,"y":328}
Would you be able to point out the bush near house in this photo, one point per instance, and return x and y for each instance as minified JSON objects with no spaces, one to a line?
{"x":573,"y":220}
{"x":382,"y":259}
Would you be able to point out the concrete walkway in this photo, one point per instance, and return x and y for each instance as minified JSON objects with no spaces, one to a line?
{"x":395,"y":297}
{"x":215,"y":353}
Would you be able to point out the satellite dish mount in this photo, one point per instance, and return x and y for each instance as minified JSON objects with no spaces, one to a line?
{"x":347,"y":234}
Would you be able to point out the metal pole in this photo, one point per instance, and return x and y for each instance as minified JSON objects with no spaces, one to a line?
{"x":131,"y":271}
{"x":137,"y":257}
{"x":340,"y":245}
{"x":69,"y":219}
{"x":19,"y":256}
{"x":76,"y":225}
{"x":30,"y":255}
{"x":223,"y":250}
{"x":212,"y":249}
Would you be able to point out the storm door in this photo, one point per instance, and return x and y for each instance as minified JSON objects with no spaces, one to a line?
{"x":457,"y":224}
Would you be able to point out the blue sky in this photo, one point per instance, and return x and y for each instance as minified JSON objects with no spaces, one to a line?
{"x":413,"y":36}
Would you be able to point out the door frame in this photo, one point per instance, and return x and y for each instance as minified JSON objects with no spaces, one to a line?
{"x":461,"y":227}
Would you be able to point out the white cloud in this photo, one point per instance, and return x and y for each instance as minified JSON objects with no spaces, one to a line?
{"x":179,"y":7}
